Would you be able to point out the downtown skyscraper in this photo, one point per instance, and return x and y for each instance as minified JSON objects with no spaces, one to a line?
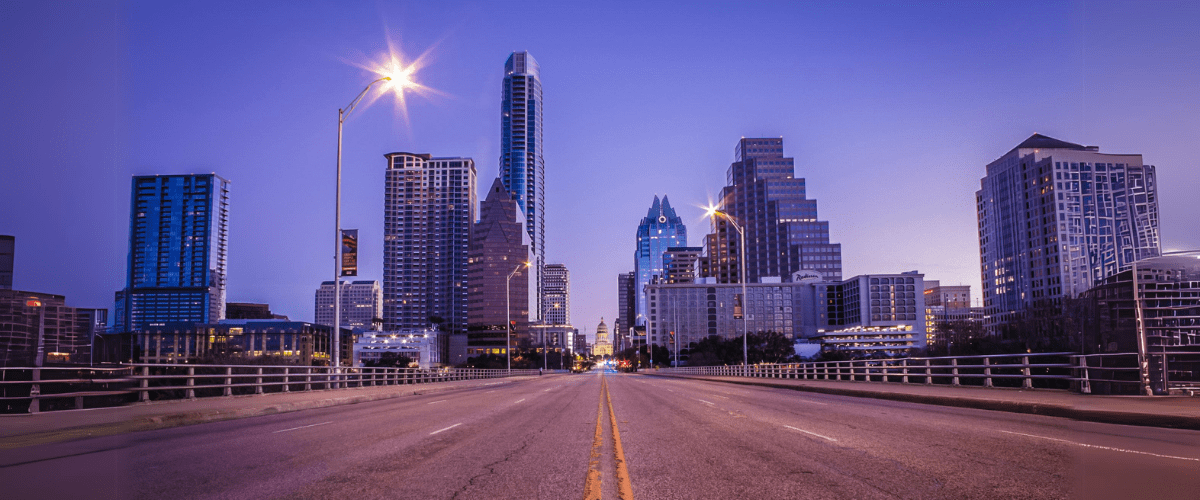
{"x":429,"y":206}
{"x":178,"y":244}
{"x":783,"y":234}
{"x":557,"y":295}
{"x":659,"y":230}
{"x":499,"y":278}
{"x":522,"y":168}
{"x":1056,"y":218}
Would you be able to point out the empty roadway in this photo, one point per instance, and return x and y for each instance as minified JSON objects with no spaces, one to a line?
{"x":679,"y":438}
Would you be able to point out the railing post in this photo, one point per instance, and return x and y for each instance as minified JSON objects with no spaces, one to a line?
{"x":145,"y":396}
{"x":1027,"y":382}
{"x":191,"y":383}
{"x":904,"y":371}
{"x":35,"y":390}
{"x":258,"y":382}
{"x":228,"y":381}
{"x":928,"y":374}
{"x":987,"y":372}
{"x":308,"y":379}
{"x":954,"y":363}
{"x":1085,"y":385}
{"x":286,"y":379}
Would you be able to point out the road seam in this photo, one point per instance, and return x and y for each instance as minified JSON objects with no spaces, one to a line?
{"x":302,"y":427}
{"x":591,"y":486}
{"x":1100,"y":447}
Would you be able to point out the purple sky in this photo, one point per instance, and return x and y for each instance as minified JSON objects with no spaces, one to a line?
{"x":891,"y":110}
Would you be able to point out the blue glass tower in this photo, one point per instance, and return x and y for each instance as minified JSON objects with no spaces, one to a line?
{"x":522,"y":169}
{"x":659,"y":230}
{"x":178,"y":240}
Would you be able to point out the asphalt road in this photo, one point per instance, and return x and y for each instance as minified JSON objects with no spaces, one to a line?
{"x":557,"y":437}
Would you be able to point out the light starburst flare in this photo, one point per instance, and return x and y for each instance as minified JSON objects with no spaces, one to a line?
{"x":402,"y":78}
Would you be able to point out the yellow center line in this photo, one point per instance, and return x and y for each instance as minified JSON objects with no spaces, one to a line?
{"x":624,"y":487}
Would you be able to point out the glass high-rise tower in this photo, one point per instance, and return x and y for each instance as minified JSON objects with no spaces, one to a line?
{"x":660,"y":229}
{"x":522,"y":169}
{"x":783,"y":234}
{"x":1057,"y":218}
{"x":178,"y":241}
{"x":429,"y":206}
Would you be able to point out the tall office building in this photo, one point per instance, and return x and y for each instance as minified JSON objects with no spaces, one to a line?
{"x":626,"y":308}
{"x":522,"y":168}
{"x":659,"y":230}
{"x":499,"y":248}
{"x":783,"y":234}
{"x":362,"y":302}
{"x":1055,"y":219}
{"x":557,"y":296}
{"x":429,"y":206}
{"x":178,"y":238}
{"x":8,"y":247}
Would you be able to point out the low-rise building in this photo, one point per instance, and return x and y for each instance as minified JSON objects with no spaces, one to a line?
{"x":420,"y":347}
{"x":31,"y":322}
{"x":868,"y":315}
{"x":292,"y":342}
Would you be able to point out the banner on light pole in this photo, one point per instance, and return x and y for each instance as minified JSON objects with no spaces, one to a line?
{"x":349,"y":252}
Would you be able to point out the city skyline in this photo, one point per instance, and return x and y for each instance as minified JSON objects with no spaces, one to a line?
{"x":130,"y":114}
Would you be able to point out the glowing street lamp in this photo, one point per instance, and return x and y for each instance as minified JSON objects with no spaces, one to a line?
{"x":508,"y":316}
{"x":712,"y":212}
{"x":393,"y":76}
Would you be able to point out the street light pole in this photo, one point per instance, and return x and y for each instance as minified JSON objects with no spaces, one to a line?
{"x":336,"y":361}
{"x":508,"y":317}
{"x":742,"y":277}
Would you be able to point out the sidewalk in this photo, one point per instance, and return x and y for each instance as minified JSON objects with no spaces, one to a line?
{"x":17,"y":431}
{"x":1160,"y":411}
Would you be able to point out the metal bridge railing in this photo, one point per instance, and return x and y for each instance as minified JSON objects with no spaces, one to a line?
{"x":1026,"y":370}
{"x":29,"y":387}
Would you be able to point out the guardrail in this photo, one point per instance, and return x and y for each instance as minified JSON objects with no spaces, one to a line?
{"x":1052,"y":370}
{"x":30,"y":387}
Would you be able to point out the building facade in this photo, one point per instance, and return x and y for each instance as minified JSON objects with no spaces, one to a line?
{"x":64,"y":333}
{"x":557,"y":295}
{"x":500,"y":279}
{"x":429,"y":207}
{"x":178,"y":244}
{"x":659,"y":230}
{"x":865,"y":315}
{"x":522,"y":167}
{"x":1057,"y":218}
{"x":362,"y":303}
{"x":681,"y":264}
{"x":291,"y":342}
{"x":8,"y":250}
{"x":247,"y":310}
{"x":783,"y":233}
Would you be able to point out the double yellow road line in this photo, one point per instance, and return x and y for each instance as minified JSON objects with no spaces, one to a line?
{"x":591,"y":488}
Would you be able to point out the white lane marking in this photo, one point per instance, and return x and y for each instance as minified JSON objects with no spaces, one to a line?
{"x":435,"y":402}
{"x":670,"y":390}
{"x":302,"y":427}
{"x":1099,"y":447}
{"x":489,"y":392}
{"x":811,"y":433}
{"x":446,"y":429}
{"x":547,"y":390}
{"x":519,"y":400}
{"x":723,"y":397}
{"x":802,"y":400}
{"x":705,"y":402}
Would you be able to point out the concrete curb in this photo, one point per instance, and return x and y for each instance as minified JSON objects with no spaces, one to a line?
{"x":182,"y":418}
{"x":1046,"y":409}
